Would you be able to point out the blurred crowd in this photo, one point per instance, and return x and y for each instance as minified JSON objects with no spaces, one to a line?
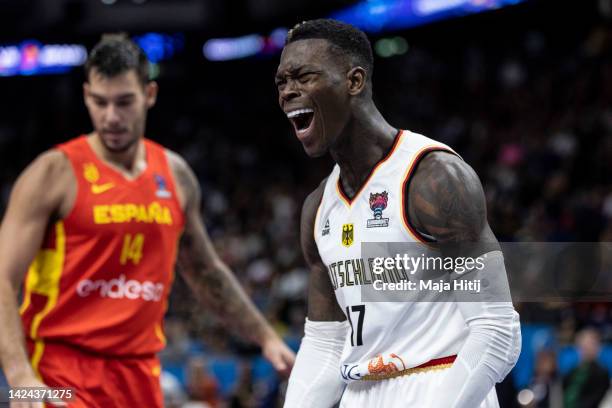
{"x":534,"y":121}
{"x":529,"y":109}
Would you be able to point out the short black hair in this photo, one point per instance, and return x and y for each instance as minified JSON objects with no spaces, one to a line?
{"x":346,"y":40}
{"x":115,"y":54}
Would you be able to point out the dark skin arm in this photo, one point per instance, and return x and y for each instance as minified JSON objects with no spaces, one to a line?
{"x":446,"y":201}
{"x":212,"y":281}
{"x":322,"y":305}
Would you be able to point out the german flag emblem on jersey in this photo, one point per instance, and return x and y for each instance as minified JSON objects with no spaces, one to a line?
{"x":347,"y":235}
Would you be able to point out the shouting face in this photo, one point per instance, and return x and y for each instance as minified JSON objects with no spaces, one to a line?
{"x":315,"y":89}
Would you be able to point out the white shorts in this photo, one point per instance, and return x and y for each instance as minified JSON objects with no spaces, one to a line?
{"x":417,"y":390}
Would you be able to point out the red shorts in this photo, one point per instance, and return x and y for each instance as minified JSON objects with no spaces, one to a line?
{"x":98,"y":381}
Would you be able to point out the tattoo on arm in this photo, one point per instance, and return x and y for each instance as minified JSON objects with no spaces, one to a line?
{"x":207,"y":275}
{"x":322,"y":304}
{"x":446,"y":200}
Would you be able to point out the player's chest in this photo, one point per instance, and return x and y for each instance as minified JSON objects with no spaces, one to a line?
{"x":109,"y":205}
{"x":374,"y":216}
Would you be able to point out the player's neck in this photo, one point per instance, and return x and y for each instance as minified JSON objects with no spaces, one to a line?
{"x":364,"y":142}
{"x":130,"y":162}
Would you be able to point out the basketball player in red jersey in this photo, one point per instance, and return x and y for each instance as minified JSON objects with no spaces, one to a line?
{"x":99,"y":220}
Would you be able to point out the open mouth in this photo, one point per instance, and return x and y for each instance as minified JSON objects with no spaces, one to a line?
{"x":301,"y":119}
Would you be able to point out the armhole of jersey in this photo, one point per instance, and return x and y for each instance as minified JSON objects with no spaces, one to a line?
{"x":412,"y":231}
{"x":79,"y":190}
{"x":317,"y":215}
{"x":164,"y":162}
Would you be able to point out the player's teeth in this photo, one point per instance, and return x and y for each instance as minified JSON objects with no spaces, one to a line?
{"x":297,"y":112}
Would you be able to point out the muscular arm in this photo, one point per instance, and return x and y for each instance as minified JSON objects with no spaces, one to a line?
{"x":446,"y":200}
{"x":39,"y":195}
{"x":322,"y":305}
{"x":315,"y":380}
{"x":212,"y":281}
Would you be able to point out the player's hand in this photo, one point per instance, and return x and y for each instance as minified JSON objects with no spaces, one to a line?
{"x":276,"y":352}
{"x":30,"y":381}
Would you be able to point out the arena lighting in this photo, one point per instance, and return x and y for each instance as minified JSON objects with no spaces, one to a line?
{"x":388,"y":47}
{"x":159,"y":46}
{"x":277,"y":37}
{"x":223,"y":49}
{"x":525,"y":397}
{"x":372,"y":16}
{"x":375,"y":16}
{"x":33,"y":58}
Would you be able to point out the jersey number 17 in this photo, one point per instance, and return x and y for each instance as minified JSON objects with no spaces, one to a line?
{"x":356,"y":336}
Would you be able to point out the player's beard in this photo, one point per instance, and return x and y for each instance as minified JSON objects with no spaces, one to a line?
{"x":120,"y":146}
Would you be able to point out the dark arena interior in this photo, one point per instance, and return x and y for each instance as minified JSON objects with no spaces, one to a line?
{"x":521,"y":90}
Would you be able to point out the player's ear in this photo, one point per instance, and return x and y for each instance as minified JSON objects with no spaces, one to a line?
{"x":356,"y":78}
{"x":151,"y":93}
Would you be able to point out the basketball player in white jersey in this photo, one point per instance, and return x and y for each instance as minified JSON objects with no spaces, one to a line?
{"x":388,"y":185}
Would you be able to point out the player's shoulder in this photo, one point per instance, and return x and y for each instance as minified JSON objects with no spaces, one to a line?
{"x":176,"y":161}
{"x":50,"y":165}
{"x":46,"y":181}
{"x":442,"y":159}
{"x":444,"y":165}
{"x":181,"y":170}
{"x":417,"y":145}
{"x":431,"y":156}
{"x":185,"y":179}
{"x":312,"y":202}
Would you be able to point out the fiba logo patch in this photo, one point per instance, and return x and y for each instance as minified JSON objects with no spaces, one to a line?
{"x":348,"y":235}
{"x":378,"y":203}
{"x":162,"y":189}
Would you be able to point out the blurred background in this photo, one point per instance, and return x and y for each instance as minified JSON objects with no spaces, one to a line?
{"x":522,"y":89}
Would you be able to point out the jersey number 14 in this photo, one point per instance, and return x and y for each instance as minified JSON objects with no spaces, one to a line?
{"x":132,"y":249}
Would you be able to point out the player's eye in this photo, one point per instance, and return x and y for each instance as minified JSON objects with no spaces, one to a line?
{"x":124,"y":102}
{"x":100,"y":103}
{"x":305,"y":77}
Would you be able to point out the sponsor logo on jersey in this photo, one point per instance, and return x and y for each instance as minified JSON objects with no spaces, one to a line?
{"x":119,"y":288}
{"x":154,"y":213}
{"x":348,"y":235}
{"x":101,"y":188}
{"x":378,"y":203}
{"x":92,"y":175}
{"x":162,"y":189}
{"x":325,"y":230}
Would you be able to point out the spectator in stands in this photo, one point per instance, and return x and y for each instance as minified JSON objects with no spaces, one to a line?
{"x":587,"y":384}
{"x":201,"y":385}
{"x":546,"y":384}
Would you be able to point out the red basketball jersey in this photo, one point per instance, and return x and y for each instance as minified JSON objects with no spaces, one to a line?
{"x":102,"y":277}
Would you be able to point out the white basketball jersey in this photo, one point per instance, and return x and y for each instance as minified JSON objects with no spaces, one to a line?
{"x":385,"y":337}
